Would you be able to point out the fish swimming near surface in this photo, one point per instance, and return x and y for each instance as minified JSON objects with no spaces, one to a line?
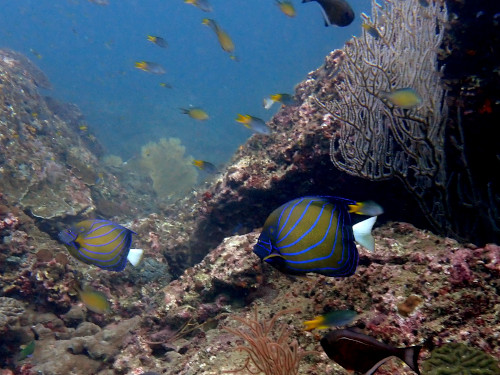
{"x":284,"y":99}
{"x":254,"y":123}
{"x":225,"y":40}
{"x":195,"y":113}
{"x":101,"y":243}
{"x":36,"y":53}
{"x":286,"y":7}
{"x":359,"y":352}
{"x":158,"y":40}
{"x":150,"y":67}
{"x":335,"y":12}
{"x":205,"y":166}
{"x":334,"y":318}
{"x":315,"y":234}
{"x":405,"y":98}
{"x":94,"y":300}
{"x":203,"y":5}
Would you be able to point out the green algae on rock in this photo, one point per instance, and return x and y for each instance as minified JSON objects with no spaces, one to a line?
{"x":459,"y":359}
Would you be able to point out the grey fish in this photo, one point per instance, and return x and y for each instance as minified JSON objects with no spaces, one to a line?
{"x":336,"y":12}
{"x":356,"y":351}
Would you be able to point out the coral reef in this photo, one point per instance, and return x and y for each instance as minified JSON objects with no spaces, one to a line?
{"x":268,"y":355}
{"x":377,"y":140}
{"x":416,"y":288}
{"x":185,"y":328}
{"x":457,"y":358}
{"x":10,"y":312}
{"x":66,"y":180}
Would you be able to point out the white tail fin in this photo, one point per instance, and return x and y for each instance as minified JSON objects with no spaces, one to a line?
{"x":267,"y":103}
{"x":363,"y":233}
{"x":135,"y":256}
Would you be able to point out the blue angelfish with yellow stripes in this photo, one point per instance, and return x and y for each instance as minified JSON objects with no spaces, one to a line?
{"x":101,"y":243}
{"x":315,"y":234}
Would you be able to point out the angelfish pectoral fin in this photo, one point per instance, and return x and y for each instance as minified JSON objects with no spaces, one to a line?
{"x":135,"y":256}
{"x":362,"y":233}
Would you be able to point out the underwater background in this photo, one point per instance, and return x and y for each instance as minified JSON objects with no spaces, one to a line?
{"x":88,"y":52}
{"x":139,"y":237}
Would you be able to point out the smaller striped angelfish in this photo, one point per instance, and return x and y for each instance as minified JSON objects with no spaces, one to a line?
{"x":315,"y":234}
{"x":101,"y":243}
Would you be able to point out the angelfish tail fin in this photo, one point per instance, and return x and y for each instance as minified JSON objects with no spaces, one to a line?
{"x":363,"y":233}
{"x":135,"y":256}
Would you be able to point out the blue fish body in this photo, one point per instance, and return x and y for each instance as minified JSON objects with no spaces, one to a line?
{"x":310,"y":234}
{"x":101,"y":243}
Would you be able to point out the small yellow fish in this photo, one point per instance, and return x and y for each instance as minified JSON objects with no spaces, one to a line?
{"x":254,"y":123}
{"x":94,"y":300}
{"x":286,"y":7}
{"x":83,"y":127}
{"x":405,"y":98}
{"x":150,"y":67}
{"x":225,"y":40}
{"x":158,"y":40}
{"x":166,"y":85}
{"x":196,"y":113}
{"x":205,"y":166}
{"x":284,"y":99}
{"x":371,"y":30}
{"x":331,"y":319}
{"x":369,"y":208}
{"x":203,"y":5}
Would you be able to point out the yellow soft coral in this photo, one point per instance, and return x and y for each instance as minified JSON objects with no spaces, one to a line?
{"x":172,"y":172}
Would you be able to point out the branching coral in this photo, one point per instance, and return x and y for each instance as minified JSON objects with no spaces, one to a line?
{"x":266,"y":354}
{"x":376,"y":139}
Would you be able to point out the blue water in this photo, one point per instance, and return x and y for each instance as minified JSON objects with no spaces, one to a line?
{"x":88,"y":52}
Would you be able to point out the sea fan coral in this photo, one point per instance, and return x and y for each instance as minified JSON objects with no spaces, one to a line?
{"x":171,"y":171}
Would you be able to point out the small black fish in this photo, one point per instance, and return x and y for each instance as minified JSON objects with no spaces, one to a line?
{"x":356,"y":351}
{"x":336,"y":12}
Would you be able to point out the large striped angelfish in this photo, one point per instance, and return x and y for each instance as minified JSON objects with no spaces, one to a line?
{"x":315,"y":234}
{"x":101,"y":243}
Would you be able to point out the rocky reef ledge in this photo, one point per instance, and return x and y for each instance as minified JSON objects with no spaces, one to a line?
{"x":417,"y":288}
